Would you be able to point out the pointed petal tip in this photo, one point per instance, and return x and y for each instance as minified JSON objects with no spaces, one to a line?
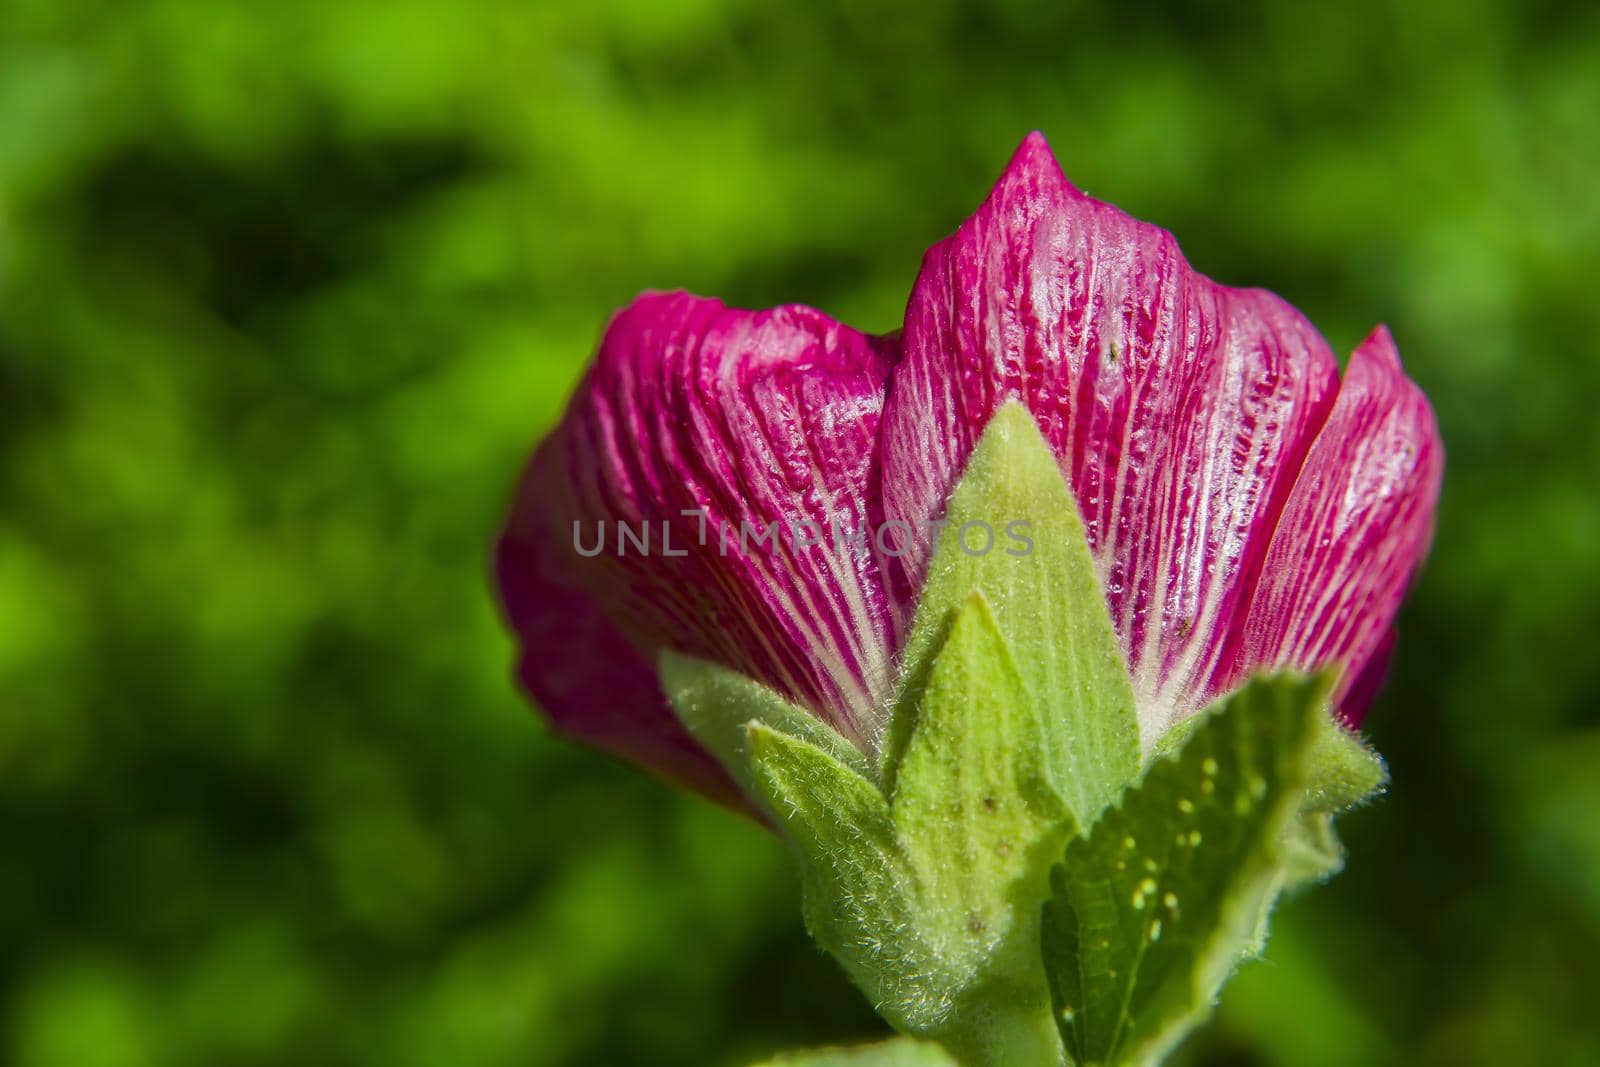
{"x":1034,"y":162}
{"x":1377,"y":360}
{"x":1034,"y":148}
{"x":1379,"y":345}
{"x":1355,"y":532}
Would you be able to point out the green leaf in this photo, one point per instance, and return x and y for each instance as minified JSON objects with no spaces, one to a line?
{"x":1152,"y":910}
{"x":1047,"y":604}
{"x":860,"y":894}
{"x":901,"y":1052}
{"x":716,"y":704}
{"x":1345,"y":770}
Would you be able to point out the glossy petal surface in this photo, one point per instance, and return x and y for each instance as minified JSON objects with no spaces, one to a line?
{"x":1179,"y":409}
{"x":590,"y":681}
{"x":723,"y":442}
{"x":1354,"y":532}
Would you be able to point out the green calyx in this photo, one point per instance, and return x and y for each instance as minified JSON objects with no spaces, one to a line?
{"x":1003,"y":877}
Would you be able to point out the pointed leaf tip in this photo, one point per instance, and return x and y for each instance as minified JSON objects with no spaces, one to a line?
{"x":1344,"y":770}
{"x":1039,"y":583}
{"x":717,"y":705}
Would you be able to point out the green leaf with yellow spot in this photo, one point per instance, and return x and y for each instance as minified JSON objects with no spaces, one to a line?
{"x":1153,"y":909}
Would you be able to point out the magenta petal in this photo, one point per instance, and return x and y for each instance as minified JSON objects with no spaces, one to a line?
{"x":1361,"y":688}
{"x":1354,"y":532}
{"x":747,"y":419}
{"x":590,"y":681}
{"x":1180,"y":409}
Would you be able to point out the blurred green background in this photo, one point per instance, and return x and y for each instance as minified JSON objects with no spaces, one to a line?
{"x":288,"y":289}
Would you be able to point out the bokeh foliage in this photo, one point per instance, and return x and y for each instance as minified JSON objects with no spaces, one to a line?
{"x":287,"y":290}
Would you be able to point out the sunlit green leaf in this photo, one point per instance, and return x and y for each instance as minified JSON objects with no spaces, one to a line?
{"x":1152,"y":910}
{"x":1040,"y":582}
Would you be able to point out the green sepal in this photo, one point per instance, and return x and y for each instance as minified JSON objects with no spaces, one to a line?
{"x":931,"y":902}
{"x":1154,"y":908}
{"x":1047,"y":604}
{"x":860,"y":896}
{"x":980,"y":821}
{"x":716,"y":704}
{"x":974,"y":804}
{"x":899,"y":1052}
{"x":1343,"y":772}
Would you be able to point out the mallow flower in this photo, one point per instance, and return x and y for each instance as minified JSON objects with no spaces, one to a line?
{"x":762,"y":489}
